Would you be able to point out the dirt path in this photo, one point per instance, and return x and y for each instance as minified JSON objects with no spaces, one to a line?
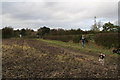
{"x":36,"y":59}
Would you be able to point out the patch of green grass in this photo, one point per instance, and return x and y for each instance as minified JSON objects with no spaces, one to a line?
{"x":89,"y":47}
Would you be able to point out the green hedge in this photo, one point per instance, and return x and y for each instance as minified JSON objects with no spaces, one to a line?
{"x":59,"y":37}
{"x":64,"y":38}
{"x":107,"y":39}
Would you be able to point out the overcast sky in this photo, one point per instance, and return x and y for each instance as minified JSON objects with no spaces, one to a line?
{"x":57,"y":14}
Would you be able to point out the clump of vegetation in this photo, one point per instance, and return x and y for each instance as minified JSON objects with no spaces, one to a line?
{"x":107,"y":39}
{"x":64,"y":38}
{"x":76,"y":39}
{"x":7,"y":32}
{"x":42,"y":31}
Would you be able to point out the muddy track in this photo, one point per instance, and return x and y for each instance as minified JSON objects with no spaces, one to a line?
{"x":33,"y":58}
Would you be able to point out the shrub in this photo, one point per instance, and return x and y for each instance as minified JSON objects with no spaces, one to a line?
{"x":76,"y":39}
{"x":7,"y":32}
{"x":64,"y":38}
{"x":107,"y":39}
{"x":90,"y":37}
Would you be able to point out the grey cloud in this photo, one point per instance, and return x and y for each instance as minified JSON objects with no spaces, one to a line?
{"x":62,"y":14}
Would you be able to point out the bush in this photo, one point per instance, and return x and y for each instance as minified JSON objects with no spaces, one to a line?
{"x":7,"y":32}
{"x":76,"y":39}
{"x":64,"y":38}
{"x":107,"y":39}
{"x":16,"y":33}
{"x":90,"y":37}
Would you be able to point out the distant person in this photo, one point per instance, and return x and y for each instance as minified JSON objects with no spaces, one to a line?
{"x":83,"y":40}
{"x":101,"y":58}
{"x":20,"y":35}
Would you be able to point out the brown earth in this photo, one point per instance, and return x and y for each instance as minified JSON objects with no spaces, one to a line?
{"x":27,"y":58}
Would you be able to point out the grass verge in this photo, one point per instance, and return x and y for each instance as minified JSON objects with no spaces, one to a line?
{"x":89,"y":47}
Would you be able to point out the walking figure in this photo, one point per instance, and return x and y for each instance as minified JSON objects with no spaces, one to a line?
{"x":83,"y":40}
{"x":101,"y":58}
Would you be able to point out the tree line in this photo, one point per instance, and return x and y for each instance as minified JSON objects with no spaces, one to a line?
{"x":9,"y":32}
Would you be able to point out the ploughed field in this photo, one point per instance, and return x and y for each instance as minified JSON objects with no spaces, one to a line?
{"x":31,"y":58}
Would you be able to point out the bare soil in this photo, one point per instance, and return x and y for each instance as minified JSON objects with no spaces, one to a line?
{"x":27,"y":58}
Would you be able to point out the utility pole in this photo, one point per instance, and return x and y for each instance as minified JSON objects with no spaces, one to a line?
{"x":95,"y":21}
{"x":95,"y":25}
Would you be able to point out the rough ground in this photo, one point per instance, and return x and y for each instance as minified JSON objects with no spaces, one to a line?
{"x":25,"y":58}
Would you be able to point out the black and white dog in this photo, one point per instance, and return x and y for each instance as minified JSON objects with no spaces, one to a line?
{"x":101,"y":58}
{"x":117,"y":51}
